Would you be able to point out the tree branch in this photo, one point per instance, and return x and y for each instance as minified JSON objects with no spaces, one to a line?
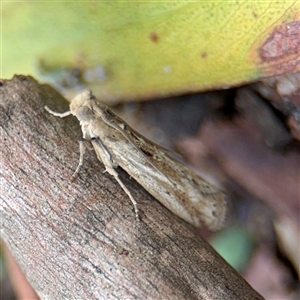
{"x":80,"y":239}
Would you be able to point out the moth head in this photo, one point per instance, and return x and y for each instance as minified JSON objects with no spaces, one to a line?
{"x":80,"y":100}
{"x":80,"y":106}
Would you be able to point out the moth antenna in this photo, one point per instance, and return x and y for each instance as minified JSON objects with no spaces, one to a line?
{"x":57,"y":114}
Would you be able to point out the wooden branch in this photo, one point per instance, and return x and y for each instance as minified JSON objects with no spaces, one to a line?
{"x":80,"y":239}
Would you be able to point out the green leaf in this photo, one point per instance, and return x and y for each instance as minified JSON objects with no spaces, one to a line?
{"x":137,"y":50}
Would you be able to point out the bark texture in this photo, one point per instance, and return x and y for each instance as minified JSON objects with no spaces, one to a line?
{"x":80,"y":239}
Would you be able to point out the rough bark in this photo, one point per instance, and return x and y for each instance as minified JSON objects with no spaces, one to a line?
{"x":80,"y":239}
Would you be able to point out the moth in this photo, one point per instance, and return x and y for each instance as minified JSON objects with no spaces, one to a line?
{"x":117,"y":145}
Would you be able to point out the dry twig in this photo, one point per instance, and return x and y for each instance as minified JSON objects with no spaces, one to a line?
{"x":80,"y":240}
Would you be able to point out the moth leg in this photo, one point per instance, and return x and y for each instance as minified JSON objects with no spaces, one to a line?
{"x":106,"y":159}
{"x":82,"y":148}
{"x":113,"y":163}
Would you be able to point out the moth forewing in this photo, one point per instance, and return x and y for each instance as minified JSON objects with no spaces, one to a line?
{"x":176,"y":187}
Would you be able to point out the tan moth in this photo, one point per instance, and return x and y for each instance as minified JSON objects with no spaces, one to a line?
{"x":117,"y":144}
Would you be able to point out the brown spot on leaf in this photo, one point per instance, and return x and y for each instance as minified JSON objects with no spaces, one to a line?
{"x":203,"y":54}
{"x":279,"y":53}
{"x":283,"y":41}
{"x":154,"y":37}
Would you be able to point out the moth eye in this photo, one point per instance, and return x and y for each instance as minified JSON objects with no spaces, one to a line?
{"x":84,"y":113}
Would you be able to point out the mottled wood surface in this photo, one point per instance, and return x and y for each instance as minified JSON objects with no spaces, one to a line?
{"x":80,"y":240}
